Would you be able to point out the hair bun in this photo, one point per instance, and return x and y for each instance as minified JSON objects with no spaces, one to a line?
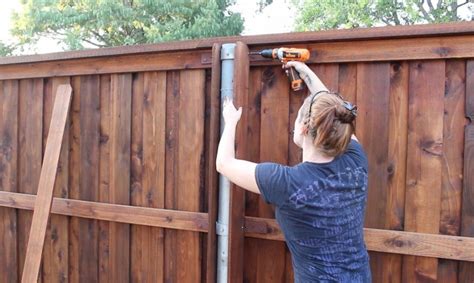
{"x":347,"y":113}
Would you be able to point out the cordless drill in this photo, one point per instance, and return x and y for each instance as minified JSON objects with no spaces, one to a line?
{"x":285,"y":54}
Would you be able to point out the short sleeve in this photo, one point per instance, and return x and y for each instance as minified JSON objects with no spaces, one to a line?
{"x":272,"y":181}
{"x":356,"y":151}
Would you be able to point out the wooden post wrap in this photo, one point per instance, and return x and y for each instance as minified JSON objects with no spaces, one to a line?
{"x":46,"y":185}
{"x":237,"y":196}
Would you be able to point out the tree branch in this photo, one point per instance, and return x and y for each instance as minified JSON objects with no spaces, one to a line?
{"x":423,"y":11}
{"x":460,"y":5}
{"x":431,"y":4}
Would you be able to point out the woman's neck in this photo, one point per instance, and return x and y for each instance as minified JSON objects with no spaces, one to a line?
{"x":312,"y":154}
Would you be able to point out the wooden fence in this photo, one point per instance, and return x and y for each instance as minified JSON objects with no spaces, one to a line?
{"x":136,"y":190}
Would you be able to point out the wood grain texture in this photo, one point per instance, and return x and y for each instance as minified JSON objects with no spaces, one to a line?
{"x":452,"y":163}
{"x":156,"y":217}
{"x":47,"y":179}
{"x":424,"y":163}
{"x":30,"y":130}
{"x":373,"y":93}
{"x":273,"y":148}
{"x":212,"y":177}
{"x":148,"y":151}
{"x":237,"y":194}
{"x":171,"y":169}
{"x":381,"y":240}
{"x":84,"y":177}
{"x":466,"y":270}
{"x":55,"y":251}
{"x":9,"y":97}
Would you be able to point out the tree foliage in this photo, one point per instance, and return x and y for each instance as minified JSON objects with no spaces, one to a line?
{"x":331,"y":14}
{"x":101,"y":23}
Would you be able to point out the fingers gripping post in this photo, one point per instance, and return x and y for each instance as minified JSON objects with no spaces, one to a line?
{"x":46,"y":185}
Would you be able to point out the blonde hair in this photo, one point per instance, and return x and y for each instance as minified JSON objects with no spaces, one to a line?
{"x":329,"y":120}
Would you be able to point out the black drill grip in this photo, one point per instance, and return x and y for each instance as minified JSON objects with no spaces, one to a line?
{"x":295,"y":79}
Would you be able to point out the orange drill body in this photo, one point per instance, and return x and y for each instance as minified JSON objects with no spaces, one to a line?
{"x":285,"y":54}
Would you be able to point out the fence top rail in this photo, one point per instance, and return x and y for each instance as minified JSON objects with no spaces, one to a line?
{"x":391,"y":32}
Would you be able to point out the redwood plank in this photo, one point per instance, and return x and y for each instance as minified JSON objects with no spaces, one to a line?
{"x":119,"y":173}
{"x":466,"y":269}
{"x":47,"y":179}
{"x":452,"y":162}
{"x":55,"y":251}
{"x":171,"y":170}
{"x":212,"y":177}
{"x":148,"y":136}
{"x":237,"y":194}
{"x":156,"y":217}
{"x":30,"y":153}
{"x":253,"y":149}
{"x":329,"y":75}
{"x":191,"y":135}
{"x":8,"y":178}
{"x":373,"y":90}
{"x":396,"y":166}
{"x":273,"y":147}
{"x":424,"y":163}
{"x":104,"y":175}
{"x":84,"y":177}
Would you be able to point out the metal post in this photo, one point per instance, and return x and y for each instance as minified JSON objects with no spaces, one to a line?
{"x":222,"y":228}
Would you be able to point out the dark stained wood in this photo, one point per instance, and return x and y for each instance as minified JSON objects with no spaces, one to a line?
{"x":237,"y":195}
{"x":148,"y":145}
{"x":147,"y":216}
{"x":253,"y":150}
{"x":424,"y":162}
{"x":8,"y":178}
{"x":55,"y":251}
{"x":373,"y":93}
{"x":397,"y":142}
{"x":387,"y":241}
{"x":466,"y":269}
{"x":171,"y":170}
{"x":444,"y":29}
{"x":47,"y":179}
{"x":84,"y":162}
{"x":452,"y":163}
{"x":190,"y":150}
{"x":104,"y":180}
{"x":273,"y":148}
{"x":107,"y":65}
{"x":30,"y":130}
{"x":119,"y":174}
{"x":212,"y":178}
{"x":328,"y":52}
{"x":329,"y":75}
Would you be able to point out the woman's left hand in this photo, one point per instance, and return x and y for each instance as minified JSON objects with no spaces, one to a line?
{"x":230,"y":113}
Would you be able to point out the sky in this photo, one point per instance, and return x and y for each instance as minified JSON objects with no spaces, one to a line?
{"x":275,"y":18}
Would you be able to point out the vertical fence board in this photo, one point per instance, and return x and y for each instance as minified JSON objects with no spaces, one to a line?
{"x":466,"y":269}
{"x":148,"y":187}
{"x":30,"y":153}
{"x":84,"y":164}
{"x":190,"y":151}
{"x":273,"y":147}
{"x":171,"y":170}
{"x":9,"y":97}
{"x":253,"y":150}
{"x":119,"y":174}
{"x":55,"y":251}
{"x":373,"y":89}
{"x":452,"y":162}
{"x":424,"y":167}
{"x":104,"y":180}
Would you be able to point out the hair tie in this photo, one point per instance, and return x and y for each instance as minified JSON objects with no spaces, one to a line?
{"x":351,"y":108}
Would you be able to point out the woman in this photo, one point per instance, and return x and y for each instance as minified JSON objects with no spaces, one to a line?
{"x":319,"y":203}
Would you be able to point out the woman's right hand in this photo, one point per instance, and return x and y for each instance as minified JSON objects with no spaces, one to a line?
{"x":309,"y":77}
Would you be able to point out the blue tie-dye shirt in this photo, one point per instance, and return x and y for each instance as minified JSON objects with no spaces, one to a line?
{"x":320,"y":208}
